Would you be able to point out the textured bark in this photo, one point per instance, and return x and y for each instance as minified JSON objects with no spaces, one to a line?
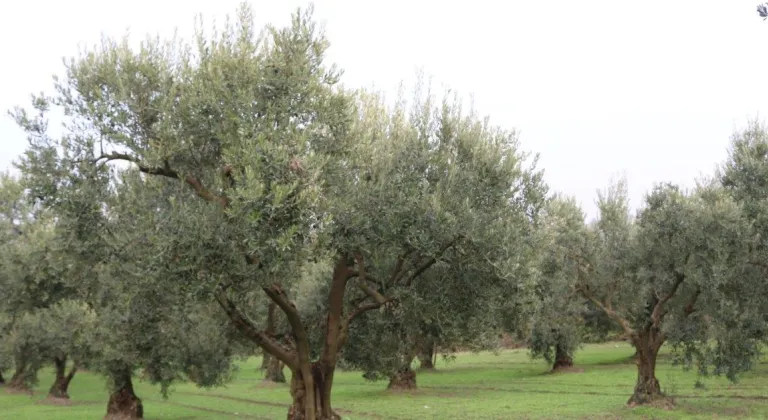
{"x":647,"y":388}
{"x":427,"y":356}
{"x":18,"y":380}
{"x":123,"y":402}
{"x":403,"y":380}
{"x":316,"y":406}
{"x":60,"y":386}
{"x":562,"y":359}
{"x":265,"y":361}
{"x":274,"y":371}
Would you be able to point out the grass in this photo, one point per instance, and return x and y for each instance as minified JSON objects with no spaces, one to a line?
{"x":482,"y":386}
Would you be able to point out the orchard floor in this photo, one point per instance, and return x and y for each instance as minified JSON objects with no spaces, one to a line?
{"x":485,"y":386}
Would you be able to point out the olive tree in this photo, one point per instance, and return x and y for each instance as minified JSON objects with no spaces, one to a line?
{"x":150,"y":318}
{"x":439,"y":221}
{"x":663,"y":275}
{"x":558,"y":323}
{"x":744,"y":176}
{"x":221,"y":117}
{"x":443,"y":308}
{"x":30,"y":279}
{"x":127,"y":319}
{"x":67,"y":328}
{"x":267,"y":164}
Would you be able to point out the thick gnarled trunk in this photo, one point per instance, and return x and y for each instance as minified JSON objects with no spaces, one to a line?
{"x":60,"y":387}
{"x":562,"y":359}
{"x":403,"y":380}
{"x":647,"y":388}
{"x":311,"y":382}
{"x":312,"y":395}
{"x":18,"y":381}
{"x":123,"y":402}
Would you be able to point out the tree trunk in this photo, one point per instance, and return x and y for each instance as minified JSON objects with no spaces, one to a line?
{"x":2,"y":380}
{"x":562,"y":359}
{"x":275,"y":371}
{"x":265,"y":361}
{"x":403,"y":380}
{"x":123,"y":402}
{"x":320,"y":399}
{"x":18,"y":381}
{"x":60,"y":386}
{"x":270,"y":330}
{"x":647,"y":388}
{"x":426,"y":358}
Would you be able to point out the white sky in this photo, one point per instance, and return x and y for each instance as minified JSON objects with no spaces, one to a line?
{"x":651,"y":89}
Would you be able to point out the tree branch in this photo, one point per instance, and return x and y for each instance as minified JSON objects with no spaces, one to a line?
{"x":167,"y":172}
{"x":656,"y":314}
{"x":606,"y":308}
{"x":246,"y":326}
{"x":276,"y":293}
{"x":367,"y":307}
{"x":397,"y":272}
{"x":368,"y":290}
{"x":432,"y":260}
{"x":689,"y":308}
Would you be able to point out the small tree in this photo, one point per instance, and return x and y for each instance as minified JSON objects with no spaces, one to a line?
{"x":30,"y":278}
{"x":68,"y":326}
{"x":558,"y":324}
{"x":24,"y":343}
{"x":384,"y":344}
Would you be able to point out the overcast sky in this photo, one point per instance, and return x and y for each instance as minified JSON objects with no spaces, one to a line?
{"x":650,"y":89}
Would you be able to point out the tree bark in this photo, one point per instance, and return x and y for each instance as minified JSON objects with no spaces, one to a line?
{"x":562,"y":359}
{"x":270,"y":330}
{"x":275,"y":371}
{"x":265,"y":361}
{"x":316,"y":406}
{"x":311,"y":382}
{"x":647,"y":388}
{"x":403,"y":380}
{"x":426,"y":358}
{"x":18,"y":380}
{"x":123,"y":402}
{"x":60,"y":386}
{"x":2,"y":380}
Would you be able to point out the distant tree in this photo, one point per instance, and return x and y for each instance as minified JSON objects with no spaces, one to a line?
{"x":744,"y":176}
{"x":661,"y":278}
{"x":558,"y":324}
{"x":273,"y":366}
{"x":30,"y":279}
{"x":443,"y":309}
{"x":113,"y":242}
{"x":24,"y":344}
{"x":67,"y":327}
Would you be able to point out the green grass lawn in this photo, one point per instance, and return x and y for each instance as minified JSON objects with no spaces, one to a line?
{"x":484,"y":386}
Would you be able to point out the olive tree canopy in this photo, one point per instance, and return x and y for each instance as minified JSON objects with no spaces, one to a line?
{"x":251,"y":163}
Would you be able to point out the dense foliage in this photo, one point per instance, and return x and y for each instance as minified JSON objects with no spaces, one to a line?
{"x":227,"y":196}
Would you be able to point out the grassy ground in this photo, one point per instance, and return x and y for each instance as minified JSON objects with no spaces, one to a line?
{"x":484,"y":386}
